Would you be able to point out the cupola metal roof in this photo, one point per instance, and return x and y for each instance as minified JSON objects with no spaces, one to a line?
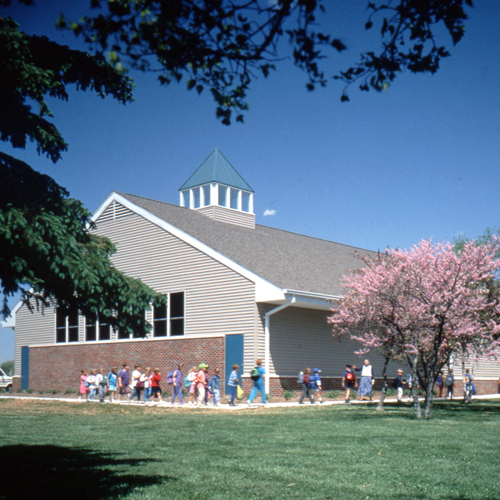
{"x":216,"y":168}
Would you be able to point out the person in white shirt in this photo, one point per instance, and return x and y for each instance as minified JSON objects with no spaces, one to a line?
{"x":137,"y":384}
{"x":367,"y":380}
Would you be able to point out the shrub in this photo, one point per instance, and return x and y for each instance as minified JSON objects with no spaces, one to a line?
{"x":332,"y":394}
{"x":390,"y":392}
{"x":41,"y":391}
{"x":29,"y":390}
{"x":268,"y":396}
{"x":70,"y":391}
{"x":20,"y":390}
{"x":287,"y":395}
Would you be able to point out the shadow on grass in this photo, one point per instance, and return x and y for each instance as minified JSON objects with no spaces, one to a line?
{"x":52,"y":472}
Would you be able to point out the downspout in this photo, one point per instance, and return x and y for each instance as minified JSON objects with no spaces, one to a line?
{"x":267,"y":341}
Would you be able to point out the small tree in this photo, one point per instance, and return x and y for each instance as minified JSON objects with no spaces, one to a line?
{"x":8,"y":367}
{"x":426,"y":303}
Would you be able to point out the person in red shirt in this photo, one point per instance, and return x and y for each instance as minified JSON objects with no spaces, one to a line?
{"x":155,"y":385}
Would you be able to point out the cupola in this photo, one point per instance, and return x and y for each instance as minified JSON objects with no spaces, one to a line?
{"x":218,"y":191}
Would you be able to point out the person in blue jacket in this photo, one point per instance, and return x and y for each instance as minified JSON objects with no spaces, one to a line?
{"x":258,"y":384}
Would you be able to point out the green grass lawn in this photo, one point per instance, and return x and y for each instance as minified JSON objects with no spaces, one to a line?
{"x":51,"y":450}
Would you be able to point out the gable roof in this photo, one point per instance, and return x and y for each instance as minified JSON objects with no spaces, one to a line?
{"x":216,"y":168}
{"x":290,"y":261}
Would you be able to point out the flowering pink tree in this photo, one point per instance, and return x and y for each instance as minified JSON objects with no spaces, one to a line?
{"x":422,"y":305}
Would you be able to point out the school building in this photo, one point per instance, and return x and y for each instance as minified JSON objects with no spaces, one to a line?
{"x":236,"y":291}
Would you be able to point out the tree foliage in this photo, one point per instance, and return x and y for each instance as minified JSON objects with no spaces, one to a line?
{"x":421,"y":306}
{"x":224,"y":44}
{"x":8,"y":367}
{"x":47,"y":249}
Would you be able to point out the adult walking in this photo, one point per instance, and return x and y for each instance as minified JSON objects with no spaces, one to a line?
{"x":177,"y":383}
{"x":306,"y":379}
{"x":367,"y":380}
{"x":123,"y":382}
{"x":257,"y":375}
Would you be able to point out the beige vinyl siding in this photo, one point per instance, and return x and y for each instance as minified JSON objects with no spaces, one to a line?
{"x":33,"y":328}
{"x":302,"y":337}
{"x":229,"y":215}
{"x":217,"y":299}
{"x":488,"y":370}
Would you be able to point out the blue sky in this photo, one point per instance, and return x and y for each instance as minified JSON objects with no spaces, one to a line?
{"x":418,"y":161}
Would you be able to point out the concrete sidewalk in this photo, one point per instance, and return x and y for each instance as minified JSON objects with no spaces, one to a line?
{"x":239,"y":406}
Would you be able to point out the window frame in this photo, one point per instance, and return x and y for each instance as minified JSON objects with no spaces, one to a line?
{"x":68,"y":328}
{"x":98,"y":330}
{"x":168,"y":319}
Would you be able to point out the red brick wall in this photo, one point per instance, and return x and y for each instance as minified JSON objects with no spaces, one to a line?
{"x":59,"y":367}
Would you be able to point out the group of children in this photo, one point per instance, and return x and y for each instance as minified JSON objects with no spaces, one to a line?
{"x":144,"y":384}
{"x":121,"y":384}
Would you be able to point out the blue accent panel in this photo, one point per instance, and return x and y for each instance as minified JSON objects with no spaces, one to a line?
{"x":234,"y":355}
{"x":216,"y":168}
{"x":25,"y":367}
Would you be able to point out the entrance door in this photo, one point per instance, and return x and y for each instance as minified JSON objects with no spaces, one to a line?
{"x":234,"y":355}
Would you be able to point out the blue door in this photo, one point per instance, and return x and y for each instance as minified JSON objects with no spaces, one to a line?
{"x":234,"y":355}
{"x":25,"y":367}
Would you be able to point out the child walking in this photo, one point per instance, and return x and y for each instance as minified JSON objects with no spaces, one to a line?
{"x":215,"y":387}
{"x":112,"y":382}
{"x":83,"y":384}
{"x":155,"y":385}
{"x":348,"y":382}
{"x":233,"y":383}
{"x":91,"y":380}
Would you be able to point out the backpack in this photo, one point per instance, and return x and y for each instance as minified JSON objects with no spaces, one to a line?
{"x":312,"y":382}
{"x":449,"y":380}
{"x":350,"y":377}
{"x":254,"y":374}
{"x":300,"y":380}
{"x":170,"y":378}
{"x":473,"y":390}
{"x":187,"y":382}
{"x":104,"y":381}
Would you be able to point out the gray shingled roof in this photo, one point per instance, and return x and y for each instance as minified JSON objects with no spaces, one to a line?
{"x":288,"y":260}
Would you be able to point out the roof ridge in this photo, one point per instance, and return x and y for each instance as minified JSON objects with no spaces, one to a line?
{"x":256,"y":225}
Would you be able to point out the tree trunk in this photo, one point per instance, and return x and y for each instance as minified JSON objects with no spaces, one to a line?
{"x":464,"y":386}
{"x":380,"y":405}
{"x":429,"y":397}
{"x":414,"y":381}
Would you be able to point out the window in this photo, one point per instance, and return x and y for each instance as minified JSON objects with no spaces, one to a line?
{"x":206,"y":195}
{"x":176,"y":304}
{"x":160,"y":321}
{"x":223,"y":196}
{"x":245,"y":201}
{"x":97,"y":329}
{"x":168,"y":320}
{"x":90,"y":329}
{"x":185,"y":198}
{"x":234,"y":198}
{"x":66,"y":324}
{"x":196,"y":196}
